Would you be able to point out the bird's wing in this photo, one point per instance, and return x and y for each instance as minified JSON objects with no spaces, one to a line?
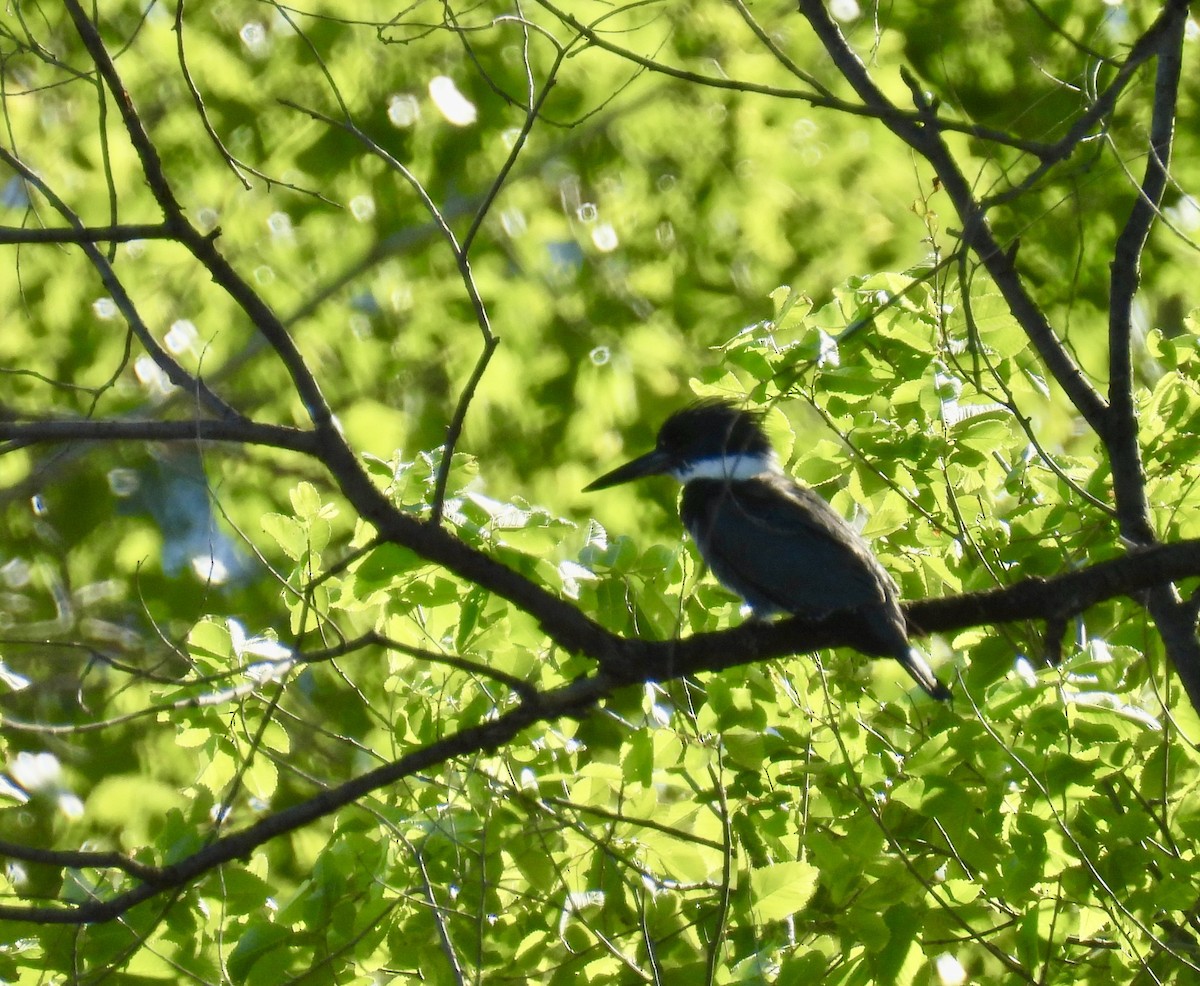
{"x":776,"y":542}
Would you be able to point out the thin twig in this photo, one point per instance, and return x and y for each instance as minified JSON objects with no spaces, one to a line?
{"x":203,"y":248}
{"x":108,"y":277}
{"x":924,"y":135}
{"x":885,"y":112}
{"x":490,"y":340}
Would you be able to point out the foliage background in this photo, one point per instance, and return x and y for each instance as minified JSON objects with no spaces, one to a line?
{"x":175,"y":612}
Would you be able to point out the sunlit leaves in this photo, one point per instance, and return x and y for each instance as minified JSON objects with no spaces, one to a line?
{"x":782,"y":889}
{"x":806,"y":820}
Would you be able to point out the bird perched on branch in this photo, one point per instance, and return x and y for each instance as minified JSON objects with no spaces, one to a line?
{"x":775,"y":543}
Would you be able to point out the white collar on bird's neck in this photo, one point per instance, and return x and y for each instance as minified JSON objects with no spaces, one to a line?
{"x":731,"y":466}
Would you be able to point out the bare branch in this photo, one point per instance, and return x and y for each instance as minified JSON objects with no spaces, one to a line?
{"x":198,"y":100}
{"x":454,"y":429}
{"x":925,"y":137}
{"x":151,"y":875}
{"x":1084,"y":125}
{"x":125,"y":233}
{"x":19,"y":434}
{"x":461,"y":259}
{"x":108,"y":277}
{"x":1121,"y":436}
{"x":882,"y":111}
{"x":202,"y":246}
{"x":525,"y":691}
{"x":640,"y":661}
{"x":778,"y":53}
{"x":1175,"y":620}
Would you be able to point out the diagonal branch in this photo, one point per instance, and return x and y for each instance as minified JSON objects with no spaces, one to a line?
{"x":462,"y":260}
{"x":925,"y":137}
{"x":108,"y":277}
{"x":635,"y":661}
{"x":1176,"y":621}
{"x":202,"y":246}
{"x":1103,"y":105}
{"x":1121,"y":437}
{"x":884,"y":111}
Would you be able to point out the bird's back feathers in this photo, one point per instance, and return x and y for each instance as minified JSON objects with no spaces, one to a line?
{"x":783,"y":549}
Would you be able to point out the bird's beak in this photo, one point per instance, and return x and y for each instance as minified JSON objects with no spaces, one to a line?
{"x":653,"y":463}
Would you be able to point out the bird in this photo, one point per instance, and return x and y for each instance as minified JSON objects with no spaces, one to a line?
{"x":772,"y":541}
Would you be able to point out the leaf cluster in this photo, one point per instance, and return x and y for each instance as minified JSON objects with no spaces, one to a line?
{"x":317,"y":665}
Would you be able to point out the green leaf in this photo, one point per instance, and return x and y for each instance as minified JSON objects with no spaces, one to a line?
{"x":287,"y":532}
{"x":306,"y":501}
{"x":781,"y":889}
{"x":261,"y":951}
{"x":384,"y":564}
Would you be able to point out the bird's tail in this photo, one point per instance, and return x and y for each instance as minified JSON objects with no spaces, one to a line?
{"x":922,"y":673}
{"x":887,"y":626}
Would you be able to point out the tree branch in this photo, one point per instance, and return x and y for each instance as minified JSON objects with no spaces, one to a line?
{"x":1145,"y":49}
{"x":924,"y":136}
{"x":1176,"y":622}
{"x":884,"y":111}
{"x":630,"y":662}
{"x":23,"y":433}
{"x":124,"y":233}
{"x":1121,"y":435}
{"x":200,"y":245}
{"x":462,"y":261}
{"x":108,"y":277}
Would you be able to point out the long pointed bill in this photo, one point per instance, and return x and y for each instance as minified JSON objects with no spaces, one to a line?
{"x":653,"y":463}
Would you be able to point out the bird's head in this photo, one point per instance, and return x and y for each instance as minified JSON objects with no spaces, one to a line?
{"x":713,"y":438}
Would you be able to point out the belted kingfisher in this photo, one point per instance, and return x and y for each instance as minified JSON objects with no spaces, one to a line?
{"x":775,"y":543}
